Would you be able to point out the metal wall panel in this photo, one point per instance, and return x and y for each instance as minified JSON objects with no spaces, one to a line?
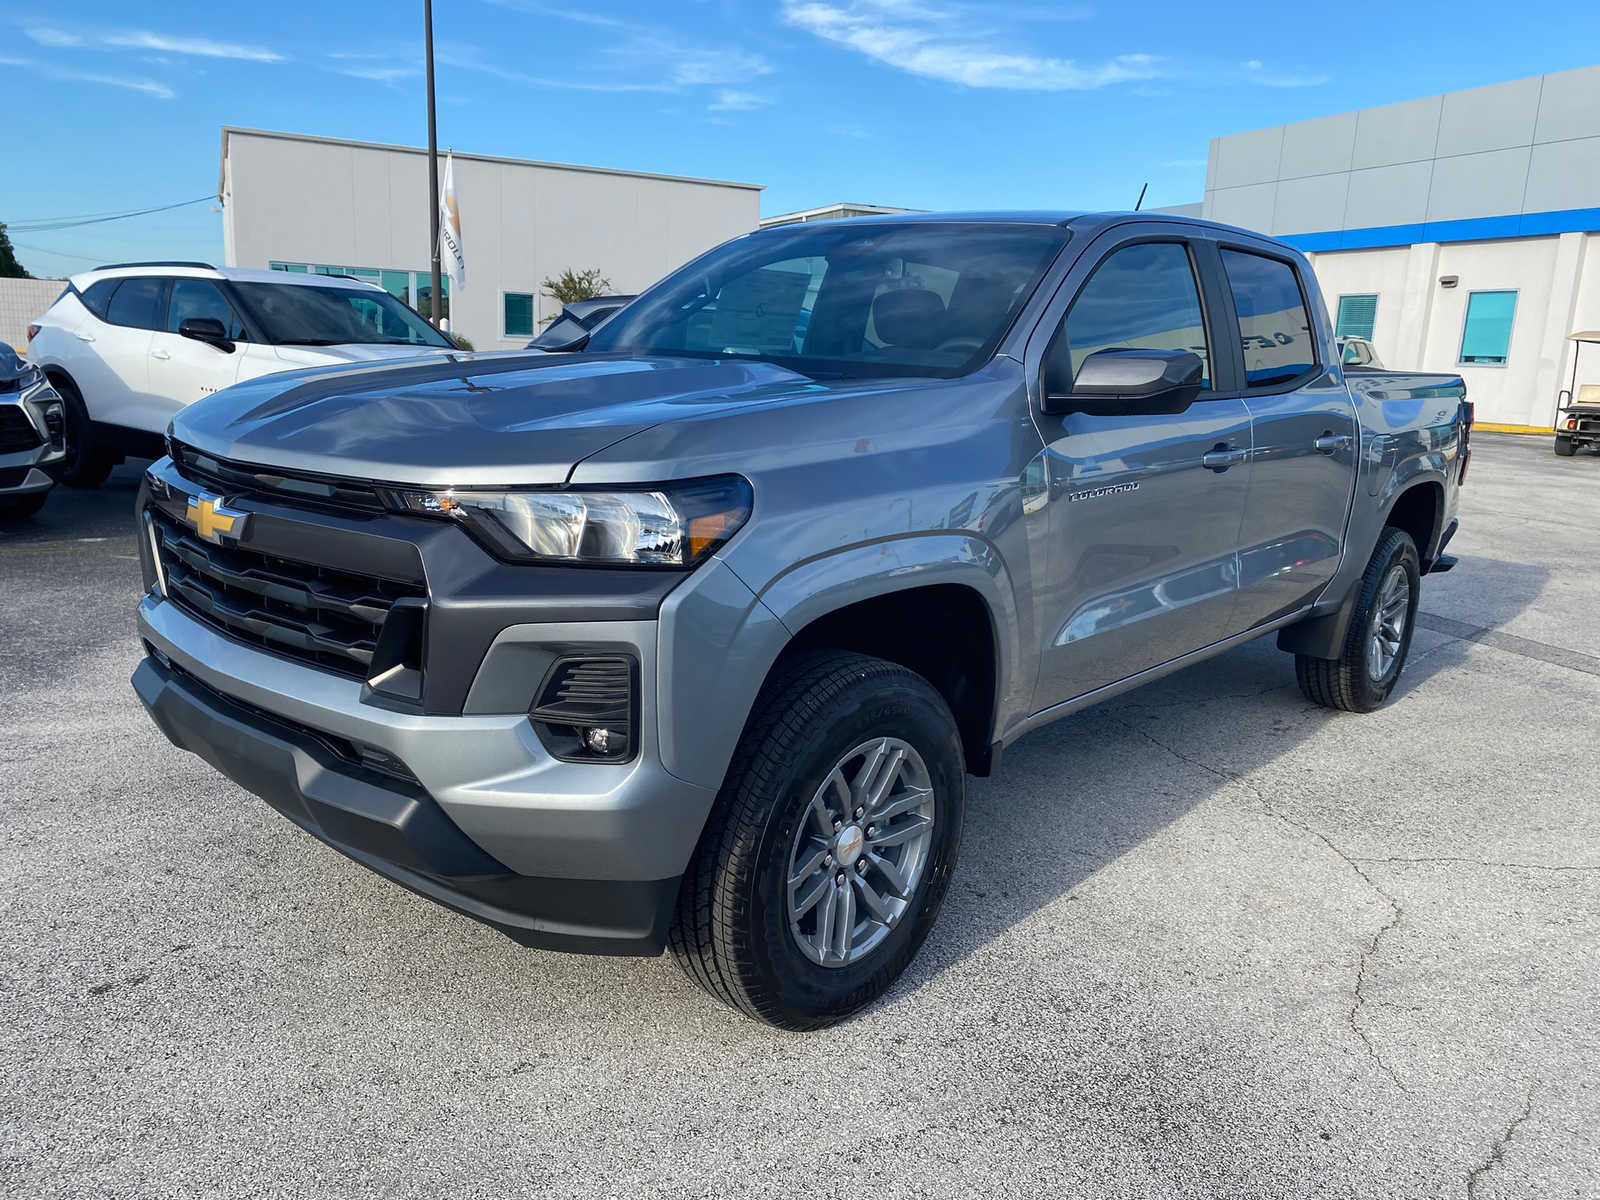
{"x":1471,"y":185}
{"x":1489,"y":118}
{"x":1396,"y":133}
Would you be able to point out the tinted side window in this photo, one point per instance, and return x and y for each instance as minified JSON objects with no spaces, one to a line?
{"x":1142,"y":297}
{"x":1274,"y":327}
{"x":138,"y":302}
{"x":99,"y":296}
{"x":201,"y":298}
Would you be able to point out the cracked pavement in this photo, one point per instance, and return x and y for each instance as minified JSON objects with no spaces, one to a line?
{"x":1205,"y":939}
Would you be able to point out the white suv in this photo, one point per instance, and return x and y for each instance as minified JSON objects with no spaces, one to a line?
{"x":128,"y":346}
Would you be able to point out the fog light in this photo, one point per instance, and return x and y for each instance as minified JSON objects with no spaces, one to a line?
{"x":598,"y":740}
{"x":587,"y":708}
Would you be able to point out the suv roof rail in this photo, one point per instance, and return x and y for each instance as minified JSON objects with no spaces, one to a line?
{"x":160,"y":262}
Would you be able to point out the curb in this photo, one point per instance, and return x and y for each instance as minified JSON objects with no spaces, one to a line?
{"x":1492,"y":427}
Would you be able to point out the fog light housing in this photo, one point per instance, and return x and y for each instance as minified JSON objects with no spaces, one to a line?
{"x":587,"y":708}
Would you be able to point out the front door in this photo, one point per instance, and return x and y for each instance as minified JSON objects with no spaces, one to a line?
{"x":183,"y":370}
{"x":1144,"y":509}
{"x":1303,"y":465}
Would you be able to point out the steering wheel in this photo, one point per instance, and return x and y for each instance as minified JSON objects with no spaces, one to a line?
{"x":970,"y":344}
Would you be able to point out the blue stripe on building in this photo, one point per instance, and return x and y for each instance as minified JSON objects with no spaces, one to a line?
{"x":1572,"y":220}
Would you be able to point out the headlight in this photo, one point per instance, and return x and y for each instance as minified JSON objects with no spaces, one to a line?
{"x":673,"y":525}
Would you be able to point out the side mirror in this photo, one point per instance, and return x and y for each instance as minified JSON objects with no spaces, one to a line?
{"x":1127,"y":382}
{"x":208,"y":330}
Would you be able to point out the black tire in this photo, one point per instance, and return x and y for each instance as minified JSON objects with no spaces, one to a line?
{"x":1346,"y":683}
{"x":18,"y":508}
{"x":732,"y":932}
{"x":1565,"y":446}
{"x":87,"y":463}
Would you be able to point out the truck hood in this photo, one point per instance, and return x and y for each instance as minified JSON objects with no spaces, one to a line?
{"x":352,"y":352}
{"x":493,"y":419}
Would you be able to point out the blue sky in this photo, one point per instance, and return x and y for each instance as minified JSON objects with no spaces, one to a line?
{"x":933,"y":104}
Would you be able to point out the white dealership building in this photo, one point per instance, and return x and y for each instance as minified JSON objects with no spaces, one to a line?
{"x":1460,"y":232}
{"x":312,"y":204}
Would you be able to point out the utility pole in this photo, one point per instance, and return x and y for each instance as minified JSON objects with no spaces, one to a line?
{"x":433,"y":164}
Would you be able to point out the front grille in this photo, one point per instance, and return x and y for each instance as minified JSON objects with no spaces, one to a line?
{"x":315,"y":614}
{"x":16,"y":431}
{"x":235,"y":479}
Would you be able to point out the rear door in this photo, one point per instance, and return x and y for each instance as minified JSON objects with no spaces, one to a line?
{"x":1144,"y":510}
{"x":1303,"y":465}
{"x":183,"y":370}
{"x":112,"y":366}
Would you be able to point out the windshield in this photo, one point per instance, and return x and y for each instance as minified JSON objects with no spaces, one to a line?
{"x":297,"y":314}
{"x":840,"y":300}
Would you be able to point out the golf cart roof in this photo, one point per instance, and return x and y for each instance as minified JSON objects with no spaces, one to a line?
{"x":1585,"y":335}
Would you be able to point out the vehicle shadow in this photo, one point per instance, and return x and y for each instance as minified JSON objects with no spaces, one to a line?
{"x":75,"y":514}
{"x":1071,"y":798}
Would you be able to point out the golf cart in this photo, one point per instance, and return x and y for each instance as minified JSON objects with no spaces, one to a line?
{"x":1578,"y":408}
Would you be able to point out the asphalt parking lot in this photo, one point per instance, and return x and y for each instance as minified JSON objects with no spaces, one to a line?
{"x":1205,"y":940}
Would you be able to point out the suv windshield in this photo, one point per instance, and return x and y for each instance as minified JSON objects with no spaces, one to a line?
{"x":914,"y":298}
{"x":299,"y":314}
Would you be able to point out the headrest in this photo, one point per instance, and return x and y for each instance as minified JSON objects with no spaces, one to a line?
{"x":908,"y":317}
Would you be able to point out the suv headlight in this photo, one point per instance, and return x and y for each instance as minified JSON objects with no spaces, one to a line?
{"x":671,"y":525}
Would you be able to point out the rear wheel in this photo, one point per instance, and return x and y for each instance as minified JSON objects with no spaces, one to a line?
{"x":1565,"y":446}
{"x":1375,"y":648}
{"x":829,"y":850}
{"x":87,"y":464}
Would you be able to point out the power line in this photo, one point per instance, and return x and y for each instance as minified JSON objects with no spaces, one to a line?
{"x":96,"y":258}
{"x":56,"y":223}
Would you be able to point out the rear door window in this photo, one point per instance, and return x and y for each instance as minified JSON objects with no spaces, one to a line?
{"x":99,"y":296}
{"x":139,"y":303}
{"x":1274,"y":325}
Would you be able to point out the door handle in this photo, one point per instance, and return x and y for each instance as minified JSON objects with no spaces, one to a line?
{"x":86,"y":337}
{"x":1219,"y":458}
{"x":1331,"y":443}
{"x":161,"y":354}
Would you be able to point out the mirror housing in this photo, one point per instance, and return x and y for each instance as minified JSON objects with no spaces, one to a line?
{"x":1127,"y":382}
{"x":208,"y":330}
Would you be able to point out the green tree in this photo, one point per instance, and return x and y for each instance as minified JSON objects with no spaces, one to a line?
{"x":10,"y":268}
{"x":571,"y":286}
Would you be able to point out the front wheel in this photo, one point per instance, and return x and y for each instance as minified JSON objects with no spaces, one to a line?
{"x":830,"y":847}
{"x":1375,"y":649}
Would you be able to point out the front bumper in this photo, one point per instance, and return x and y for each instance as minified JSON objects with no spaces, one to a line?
{"x":577,"y":856}
{"x":397,"y":830}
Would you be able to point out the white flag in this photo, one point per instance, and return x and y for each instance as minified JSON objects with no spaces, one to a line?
{"x":451,"y":252}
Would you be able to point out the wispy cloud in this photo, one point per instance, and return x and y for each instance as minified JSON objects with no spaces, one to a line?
{"x":955,"y":45}
{"x":733,"y":100}
{"x":148,"y":87}
{"x":59,"y":39}
{"x":139,"y":39}
{"x":1257,"y":72}
{"x":198,"y":46}
{"x":643,"y":57}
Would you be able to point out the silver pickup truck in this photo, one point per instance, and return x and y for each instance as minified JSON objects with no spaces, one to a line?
{"x":690,"y":636}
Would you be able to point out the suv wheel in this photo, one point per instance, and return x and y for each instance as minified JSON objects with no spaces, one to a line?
{"x":1375,"y":649}
{"x":829,"y":850}
{"x":86,"y":464}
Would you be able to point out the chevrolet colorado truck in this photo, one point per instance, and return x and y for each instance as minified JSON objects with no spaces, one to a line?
{"x":690,"y":637}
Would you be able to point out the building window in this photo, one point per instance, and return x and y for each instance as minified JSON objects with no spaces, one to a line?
{"x":518,"y":314}
{"x":1486,"y":336}
{"x":1357,"y":316}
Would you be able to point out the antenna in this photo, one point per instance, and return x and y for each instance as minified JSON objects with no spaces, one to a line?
{"x":1140,"y":200}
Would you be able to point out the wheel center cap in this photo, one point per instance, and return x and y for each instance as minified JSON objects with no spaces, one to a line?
{"x":848,"y":845}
